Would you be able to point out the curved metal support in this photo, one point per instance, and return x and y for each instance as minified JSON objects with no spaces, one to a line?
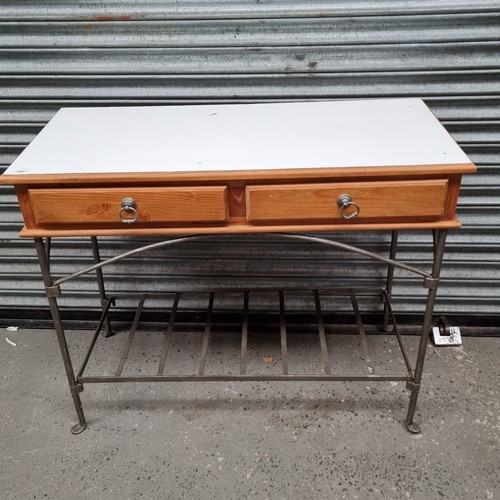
{"x":116,"y":258}
{"x":182,"y":239}
{"x":366,"y":253}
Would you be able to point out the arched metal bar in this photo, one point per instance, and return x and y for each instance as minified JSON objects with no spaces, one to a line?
{"x":313,"y":239}
{"x":360,"y":251}
{"x":135,"y":251}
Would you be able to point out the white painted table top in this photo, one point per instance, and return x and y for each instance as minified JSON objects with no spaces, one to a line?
{"x":368,"y":133}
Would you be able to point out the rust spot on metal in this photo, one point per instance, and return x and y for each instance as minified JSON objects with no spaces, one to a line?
{"x":88,"y":27}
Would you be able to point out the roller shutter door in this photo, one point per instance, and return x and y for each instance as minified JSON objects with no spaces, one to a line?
{"x":129,"y":53}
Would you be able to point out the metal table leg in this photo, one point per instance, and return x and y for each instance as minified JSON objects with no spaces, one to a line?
{"x":100,"y":284}
{"x":431,"y":284}
{"x":53,"y":292}
{"x":390,"y":279}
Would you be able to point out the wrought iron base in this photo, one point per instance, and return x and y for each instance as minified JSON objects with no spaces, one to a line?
{"x":411,"y":376}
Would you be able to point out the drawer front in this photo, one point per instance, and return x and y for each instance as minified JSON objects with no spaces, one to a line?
{"x":371,"y":202}
{"x":146,"y":205}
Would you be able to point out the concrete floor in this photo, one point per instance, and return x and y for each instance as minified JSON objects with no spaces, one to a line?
{"x":248,"y":440}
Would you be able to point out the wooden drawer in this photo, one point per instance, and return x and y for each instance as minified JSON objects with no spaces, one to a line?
{"x":382,"y":201}
{"x":153,"y":205}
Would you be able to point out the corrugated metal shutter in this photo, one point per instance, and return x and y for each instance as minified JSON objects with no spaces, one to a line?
{"x":130,"y":53}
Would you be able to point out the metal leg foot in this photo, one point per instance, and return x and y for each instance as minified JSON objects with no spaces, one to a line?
{"x":413,"y":428}
{"x":410,"y":424}
{"x":77,"y":428}
{"x":82,"y":424}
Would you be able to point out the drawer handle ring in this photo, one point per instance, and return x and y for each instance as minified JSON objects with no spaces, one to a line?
{"x":128,"y":212}
{"x":344,"y":201}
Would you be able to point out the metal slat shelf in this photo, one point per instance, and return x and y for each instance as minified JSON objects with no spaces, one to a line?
{"x":327,"y":358}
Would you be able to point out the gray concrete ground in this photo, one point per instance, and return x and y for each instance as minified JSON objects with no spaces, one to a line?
{"x":248,"y":440}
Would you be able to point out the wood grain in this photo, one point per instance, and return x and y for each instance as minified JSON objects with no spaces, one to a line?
{"x":236,"y":228}
{"x":376,"y":200}
{"x":154,"y":205}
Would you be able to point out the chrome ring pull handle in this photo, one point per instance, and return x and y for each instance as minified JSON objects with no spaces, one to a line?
{"x":349,"y":209}
{"x":128,"y":212}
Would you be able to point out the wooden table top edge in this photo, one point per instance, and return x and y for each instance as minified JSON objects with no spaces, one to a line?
{"x":286,"y":174}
